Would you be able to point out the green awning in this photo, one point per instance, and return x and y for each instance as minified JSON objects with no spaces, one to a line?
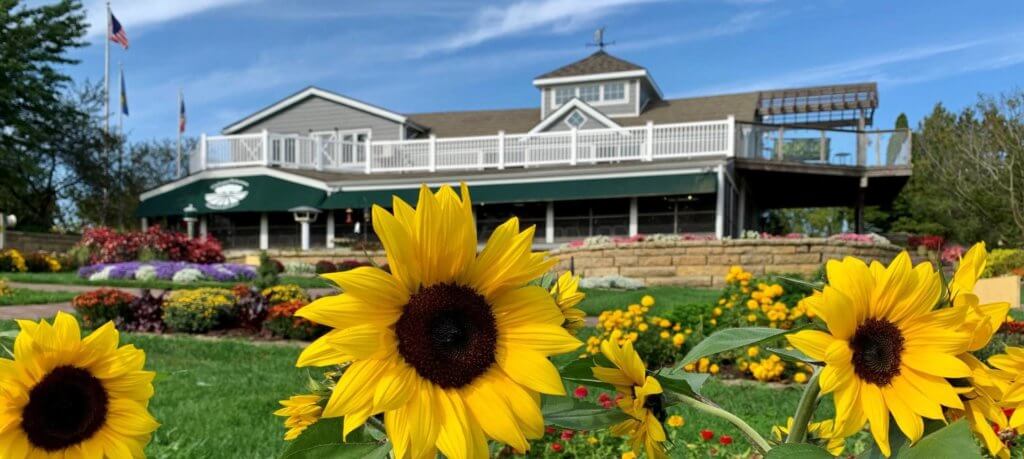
{"x":544,"y":191}
{"x":258,"y":193}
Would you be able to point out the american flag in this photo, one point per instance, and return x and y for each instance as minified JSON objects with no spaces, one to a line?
{"x":181,"y":116}
{"x":117,"y":34}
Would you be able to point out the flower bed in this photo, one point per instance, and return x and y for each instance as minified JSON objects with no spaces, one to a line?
{"x":177,"y":271}
{"x":105,"y":245}
{"x":100,"y":306}
{"x":11,"y":261}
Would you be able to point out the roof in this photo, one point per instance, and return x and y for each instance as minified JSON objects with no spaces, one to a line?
{"x":312,"y":91}
{"x":478,"y":122}
{"x":599,"y":62}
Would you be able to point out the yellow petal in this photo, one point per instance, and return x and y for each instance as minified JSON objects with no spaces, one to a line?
{"x":396,"y":387}
{"x":344,"y":311}
{"x":811,"y":342}
{"x":909,"y":422}
{"x":526,"y":305}
{"x":491,"y":411}
{"x":878,"y":415}
{"x":372,"y":285}
{"x":530,"y":369}
{"x":541,"y":338}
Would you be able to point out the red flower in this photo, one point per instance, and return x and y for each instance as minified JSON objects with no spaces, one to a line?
{"x":603,"y":397}
{"x":706,"y":434}
{"x":581,"y":392}
{"x":567,"y":434}
{"x":725,"y":440}
{"x":556,"y":447}
{"x":607,"y":404}
{"x":549,"y":430}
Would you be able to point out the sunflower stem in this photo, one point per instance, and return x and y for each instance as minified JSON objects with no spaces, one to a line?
{"x":755,"y":438}
{"x":805,"y":410}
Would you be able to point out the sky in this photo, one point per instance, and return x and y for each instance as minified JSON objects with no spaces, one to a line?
{"x":234,"y":57}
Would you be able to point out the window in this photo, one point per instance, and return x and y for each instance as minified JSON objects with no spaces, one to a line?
{"x":575,"y":119}
{"x":591,"y":93}
{"x":562,"y":95}
{"x":615,"y":91}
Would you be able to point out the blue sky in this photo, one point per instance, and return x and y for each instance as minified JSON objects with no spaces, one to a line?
{"x":232,"y":57}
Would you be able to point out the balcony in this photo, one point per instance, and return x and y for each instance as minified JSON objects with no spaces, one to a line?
{"x":700,"y":140}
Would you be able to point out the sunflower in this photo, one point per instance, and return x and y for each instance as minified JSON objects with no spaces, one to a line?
{"x":1009,"y":369}
{"x":642,"y":399}
{"x":984,"y":391}
{"x":567,"y":295}
{"x":887,"y":349}
{"x":302,"y":411}
{"x":65,"y":396}
{"x":822,"y":433}
{"x":451,"y":346}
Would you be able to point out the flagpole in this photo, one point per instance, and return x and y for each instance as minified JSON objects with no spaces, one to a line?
{"x":178,"y":162}
{"x":106,"y":73}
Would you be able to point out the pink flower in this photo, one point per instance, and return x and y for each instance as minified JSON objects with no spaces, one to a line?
{"x":581,"y":392}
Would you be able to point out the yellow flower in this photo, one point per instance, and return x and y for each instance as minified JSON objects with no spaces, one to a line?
{"x":751,"y":318}
{"x":676,"y":421}
{"x":592,"y":440}
{"x":665,"y":334}
{"x":800,"y":378}
{"x":302,"y":411}
{"x":642,"y":399}
{"x":664,"y":323}
{"x":628,"y":455}
{"x":647,"y":301}
{"x":567,"y":295}
{"x":678,"y":339}
{"x":887,"y":351}
{"x":452,"y":345}
{"x":68,"y":396}
{"x":819,"y":433}
{"x":713,"y":369}
{"x":753,"y":351}
{"x":642,"y":327}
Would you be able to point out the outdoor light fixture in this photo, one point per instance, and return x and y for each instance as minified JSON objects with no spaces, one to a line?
{"x":190,"y":217}
{"x":6,"y":221}
{"x":305,"y":215}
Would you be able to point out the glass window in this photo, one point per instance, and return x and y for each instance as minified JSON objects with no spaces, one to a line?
{"x":615,"y":91}
{"x":591,"y":93}
{"x":576,"y":119}
{"x":563,"y":95}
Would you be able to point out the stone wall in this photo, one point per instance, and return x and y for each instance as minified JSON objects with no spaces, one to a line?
{"x":705,"y":263}
{"x":35,"y":242}
{"x":311,"y":256}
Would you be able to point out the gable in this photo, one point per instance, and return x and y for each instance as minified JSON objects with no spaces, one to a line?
{"x":556,"y":121}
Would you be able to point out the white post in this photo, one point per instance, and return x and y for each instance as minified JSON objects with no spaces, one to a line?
{"x":730,"y":143}
{"x":202,"y":228}
{"x":574,"y":147}
{"x":634,"y":214}
{"x":330,"y":229}
{"x":432,"y":153}
{"x":266,"y":147}
{"x":318,"y":152}
{"x":144,"y":223}
{"x":549,"y":223}
{"x":202,"y":152}
{"x":369,"y":151}
{"x":264,"y":231}
{"x":720,"y":205}
{"x":191,"y":229}
{"x":305,"y":236}
{"x":501,"y":149}
{"x":3,"y":229}
{"x":741,"y":209}
{"x":649,"y":144}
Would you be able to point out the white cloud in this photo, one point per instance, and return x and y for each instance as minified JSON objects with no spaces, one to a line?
{"x":134,"y":14}
{"x":735,"y":25}
{"x":560,"y":15}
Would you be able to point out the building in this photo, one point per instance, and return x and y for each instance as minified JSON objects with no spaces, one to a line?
{"x":602,"y":152}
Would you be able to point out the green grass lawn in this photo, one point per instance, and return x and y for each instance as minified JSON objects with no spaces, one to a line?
{"x":665,"y":297}
{"x":71,"y":278}
{"x":20,"y":296}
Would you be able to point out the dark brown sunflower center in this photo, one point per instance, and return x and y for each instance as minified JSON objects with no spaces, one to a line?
{"x":877,"y":346}
{"x":447,"y":333}
{"x":656,"y":403}
{"x":68,"y":406}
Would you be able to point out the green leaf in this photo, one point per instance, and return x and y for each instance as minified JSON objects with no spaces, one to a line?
{"x":580,"y":371}
{"x":732,"y":338}
{"x":576,"y":414}
{"x":793,"y":355}
{"x":802,"y":283}
{"x":682,"y":382}
{"x":955,"y":437}
{"x":797,"y":451}
{"x":323,"y":440}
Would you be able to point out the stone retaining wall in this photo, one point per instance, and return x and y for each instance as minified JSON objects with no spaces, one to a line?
{"x":35,"y":242}
{"x":311,"y":256}
{"x":705,"y":263}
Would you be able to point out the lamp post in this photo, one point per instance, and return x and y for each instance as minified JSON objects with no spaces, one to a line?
{"x":8,"y":220}
{"x":190,"y":219}
{"x":305,"y":215}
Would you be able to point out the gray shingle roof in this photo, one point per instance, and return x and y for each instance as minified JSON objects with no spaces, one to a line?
{"x":599,"y":62}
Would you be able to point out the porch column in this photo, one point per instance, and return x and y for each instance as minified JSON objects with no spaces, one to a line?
{"x":144,"y":223}
{"x":203,"y":230}
{"x":264,"y":231}
{"x":634,"y":226}
{"x":191,"y":225}
{"x":720,"y":205}
{"x":549,"y":223}
{"x":305,"y":236}
{"x":741,"y":214}
{"x":330,"y":229}
{"x":858,"y":218}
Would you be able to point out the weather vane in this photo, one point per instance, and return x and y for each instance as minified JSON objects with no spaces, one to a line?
{"x":599,"y":39}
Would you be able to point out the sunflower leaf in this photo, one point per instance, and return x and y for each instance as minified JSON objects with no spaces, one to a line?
{"x":576,"y":414}
{"x":797,"y":451}
{"x":792,"y":355}
{"x":682,"y":382}
{"x":323,"y":440}
{"x":580,"y":371}
{"x":732,"y":338}
{"x":954,"y":437}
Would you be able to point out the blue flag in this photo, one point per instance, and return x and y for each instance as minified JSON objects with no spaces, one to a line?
{"x":124,"y":95}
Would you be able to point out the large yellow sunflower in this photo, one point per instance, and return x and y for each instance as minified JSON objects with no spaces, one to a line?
{"x":65,"y":396}
{"x":567,"y":295}
{"x":642,"y":399}
{"x":451,"y":346}
{"x":887,"y":350}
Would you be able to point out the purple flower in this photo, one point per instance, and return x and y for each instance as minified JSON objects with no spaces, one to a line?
{"x":165,"y":270}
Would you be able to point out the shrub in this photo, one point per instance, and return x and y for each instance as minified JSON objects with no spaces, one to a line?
{"x":928,"y":241}
{"x":658,"y":340}
{"x":102,"y":305}
{"x":187,"y":276}
{"x":4,"y":289}
{"x":250,"y":307}
{"x":349,"y":265}
{"x":1003,"y":261}
{"x":145,"y":273}
{"x":284,"y":293}
{"x":199,"y":310}
{"x":104,"y":245}
{"x":42,"y":262}
{"x":145,"y":314}
{"x":11,"y":261}
{"x":281,"y":322}
{"x":325,"y":266}
{"x":298,"y":267}
{"x":266,"y":274}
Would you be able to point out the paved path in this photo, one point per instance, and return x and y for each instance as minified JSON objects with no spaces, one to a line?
{"x":34,"y":311}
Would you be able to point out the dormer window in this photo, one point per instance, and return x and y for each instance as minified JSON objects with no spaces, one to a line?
{"x":615,"y":91}
{"x":575,"y":119}
{"x":564,"y":94}
{"x":590,"y":93}
{"x":596,"y":94}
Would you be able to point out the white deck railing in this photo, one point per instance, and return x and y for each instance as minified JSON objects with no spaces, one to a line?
{"x":592,"y":146}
